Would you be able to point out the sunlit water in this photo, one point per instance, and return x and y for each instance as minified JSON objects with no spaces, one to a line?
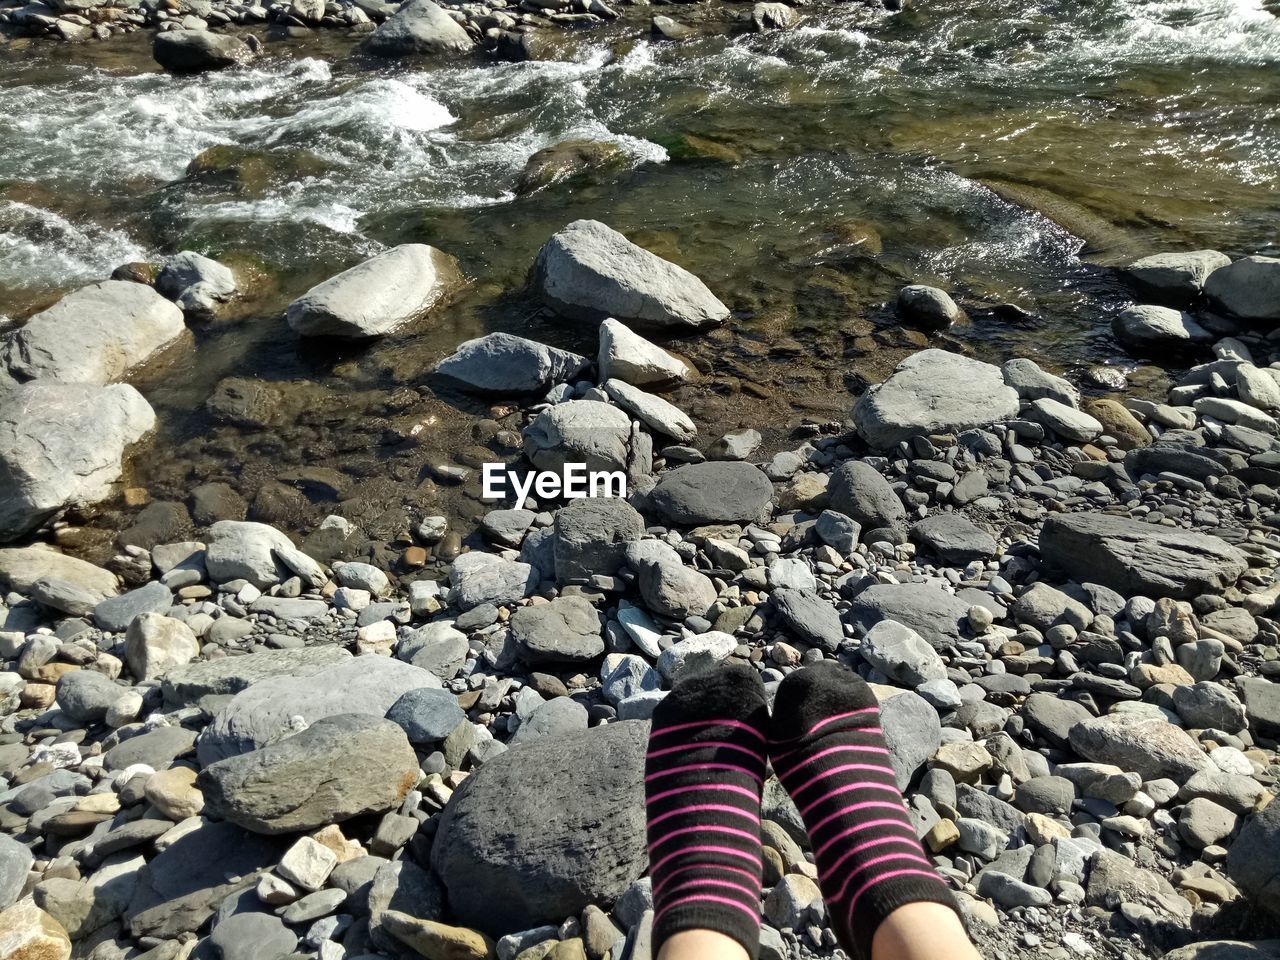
{"x":1003,"y":150}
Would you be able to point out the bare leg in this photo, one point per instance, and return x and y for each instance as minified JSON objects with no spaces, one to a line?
{"x":702,"y":945}
{"x":922,"y":931}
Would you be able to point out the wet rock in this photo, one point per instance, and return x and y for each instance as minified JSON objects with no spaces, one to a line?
{"x":375,"y":297}
{"x":340,"y":767}
{"x":1155,"y":328}
{"x":420,"y":27}
{"x":720,"y":491}
{"x":627,"y":356}
{"x":1248,"y":288}
{"x":196,"y":283}
{"x":28,"y":933}
{"x":933,"y":391}
{"x":246,"y":403}
{"x":579,"y":431}
{"x":502,"y":364}
{"x":94,"y":335}
{"x":1175,"y":278}
{"x":63,"y":445}
{"x":1149,"y":746}
{"x":195,"y":51}
{"x":1133,"y":557}
{"x":563,"y":161}
{"x":566,"y":630}
{"x":589,"y":271}
{"x":773,"y":16}
{"x":508,"y":868}
{"x":928,"y":306}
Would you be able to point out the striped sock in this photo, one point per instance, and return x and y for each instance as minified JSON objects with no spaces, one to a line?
{"x":703,"y":775}
{"x":828,"y":751}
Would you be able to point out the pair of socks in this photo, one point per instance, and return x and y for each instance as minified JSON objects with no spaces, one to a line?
{"x":711,"y":739}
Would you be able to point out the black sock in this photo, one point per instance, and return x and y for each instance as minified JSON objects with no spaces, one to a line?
{"x":827,"y":749}
{"x":703,"y":775}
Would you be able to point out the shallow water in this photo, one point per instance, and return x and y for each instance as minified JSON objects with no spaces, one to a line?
{"x":1003,"y":150}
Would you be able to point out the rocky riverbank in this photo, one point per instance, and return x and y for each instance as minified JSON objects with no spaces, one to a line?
{"x":242,"y":745}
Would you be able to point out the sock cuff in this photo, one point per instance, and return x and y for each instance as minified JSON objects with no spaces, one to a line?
{"x":729,"y":921}
{"x":884,"y":898}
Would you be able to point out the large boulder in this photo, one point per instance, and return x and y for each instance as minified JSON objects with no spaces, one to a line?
{"x":195,"y":51}
{"x":934,"y":391}
{"x":340,"y":767}
{"x":589,"y":271}
{"x":502,"y":364}
{"x":1133,"y":557}
{"x":63,"y":445}
{"x":718,"y":491}
{"x":1254,"y":861}
{"x":543,"y":830}
{"x":96,"y":334}
{"x":1248,"y":288}
{"x":419,"y":27}
{"x":373,"y":298}
{"x":579,"y":431}
{"x":1148,"y":746}
{"x":270,"y":709}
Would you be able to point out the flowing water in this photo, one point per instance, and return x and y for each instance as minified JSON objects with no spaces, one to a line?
{"x":1007,"y":151}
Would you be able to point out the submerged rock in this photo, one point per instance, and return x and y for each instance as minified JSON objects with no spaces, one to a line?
{"x":375,"y":297}
{"x":94,"y":335}
{"x":562,"y":161}
{"x":63,"y":445}
{"x":589,"y":271}
{"x":928,"y":306}
{"x":933,"y":391}
{"x":502,"y":364}
{"x":194,"y":51}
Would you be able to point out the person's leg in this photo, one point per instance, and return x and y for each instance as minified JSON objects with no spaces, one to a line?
{"x":829,"y":752}
{"x":704,"y":771}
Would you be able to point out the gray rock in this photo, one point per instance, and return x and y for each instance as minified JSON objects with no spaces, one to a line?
{"x":773,"y":16}
{"x":625,"y":355}
{"x":22,"y":567}
{"x":1203,"y":823}
{"x":253,"y":936}
{"x":839,"y":531}
{"x":1227,"y":950}
{"x":94,"y":335}
{"x":930,"y":392}
{"x":901,"y":654}
{"x":591,"y":535}
{"x":425,"y":715}
{"x":340,"y":767}
{"x":953,"y":538}
{"x":713,"y":492}
{"x":182,"y":887}
{"x":375,"y":297}
{"x":860,"y":491}
{"x":114,"y":614}
{"x":1248,"y":288}
{"x":507,"y":867}
{"x":1133,"y":557}
{"x":501,"y":364}
{"x":420,"y":27}
{"x":668,"y":587}
{"x":1033,"y":383}
{"x":208,"y":681}
{"x":64,"y":596}
{"x":15,"y":863}
{"x":1262,"y":704}
{"x":1045,"y":607}
{"x":579,"y":431}
{"x":928,"y":306}
{"x":1008,"y":892}
{"x":195,"y":283}
{"x":735,"y":445}
{"x":589,"y":271}
{"x":194,"y":51}
{"x":556,"y":718}
{"x":695,"y":654}
{"x":437,"y":648}
{"x":1053,"y":718}
{"x":1176,"y":278}
{"x":1114,"y":879}
{"x":912,"y":733}
{"x":401,"y":887}
{"x":1149,"y":746}
{"x":936,"y":616}
{"x":86,"y":696}
{"x":566,"y":630}
{"x":243,"y":550}
{"x":654,"y":412}
{"x":154,"y":644}
{"x":1065,"y":421}
{"x":270,"y":709}
{"x":808,"y":616}
{"x":1208,"y":704}
{"x":1158,"y":328}
{"x":479,"y":578}
{"x":1254,"y":861}
{"x":63,"y":445}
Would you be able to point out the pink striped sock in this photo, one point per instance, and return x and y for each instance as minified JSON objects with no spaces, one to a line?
{"x":704,"y":771}
{"x":828,"y":750}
